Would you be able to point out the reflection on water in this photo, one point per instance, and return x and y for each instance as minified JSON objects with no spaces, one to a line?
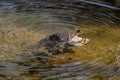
{"x":56,"y":15}
{"x":66,"y":12}
{"x":71,"y":71}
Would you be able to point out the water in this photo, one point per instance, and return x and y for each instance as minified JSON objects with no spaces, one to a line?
{"x":47,"y":16}
{"x":68,"y":12}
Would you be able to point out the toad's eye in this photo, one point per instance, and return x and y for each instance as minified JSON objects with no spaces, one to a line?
{"x":84,"y":40}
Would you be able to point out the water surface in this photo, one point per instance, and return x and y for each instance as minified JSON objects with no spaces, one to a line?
{"x":48,"y":16}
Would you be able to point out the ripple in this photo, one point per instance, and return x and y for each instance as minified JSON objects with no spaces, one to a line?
{"x":50,"y":16}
